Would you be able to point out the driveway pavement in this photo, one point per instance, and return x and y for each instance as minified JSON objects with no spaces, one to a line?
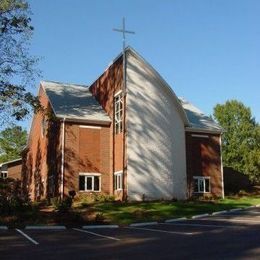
{"x":233,"y":235}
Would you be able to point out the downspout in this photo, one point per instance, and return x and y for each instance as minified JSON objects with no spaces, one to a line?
{"x":221,"y":166}
{"x":125,"y":191}
{"x":62,"y":158}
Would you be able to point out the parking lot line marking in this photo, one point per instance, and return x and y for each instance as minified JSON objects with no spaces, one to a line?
{"x":26,"y":236}
{"x":96,"y":234}
{"x":164,"y":231}
{"x":195,"y":225}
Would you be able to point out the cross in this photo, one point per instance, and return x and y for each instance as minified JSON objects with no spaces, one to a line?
{"x":124,"y":31}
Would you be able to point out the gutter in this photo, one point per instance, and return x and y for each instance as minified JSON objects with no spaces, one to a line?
{"x":62,"y":158}
{"x":221,"y":166}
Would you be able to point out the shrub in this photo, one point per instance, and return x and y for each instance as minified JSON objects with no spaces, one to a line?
{"x":103,"y":197}
{"x":62,"y":205}
{"x":12,"y":201}
{"x":85,"y":199}
{"x":99,"y":218}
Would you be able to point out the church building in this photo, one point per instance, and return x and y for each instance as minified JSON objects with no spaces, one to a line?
{"x":126,"y":135}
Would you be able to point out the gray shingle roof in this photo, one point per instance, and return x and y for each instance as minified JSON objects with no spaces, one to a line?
{"x":74,"y":102}
{"x":197,"y":119}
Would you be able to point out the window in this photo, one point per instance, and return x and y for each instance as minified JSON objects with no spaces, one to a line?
{"x":118,"y":180}
{"x":201,"y":184}
{"x":118,"y":103}
{"x":4,"y":175}
{"x":89,"y":182}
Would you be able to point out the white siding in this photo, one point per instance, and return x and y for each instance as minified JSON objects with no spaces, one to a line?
{"x":155,"y":137}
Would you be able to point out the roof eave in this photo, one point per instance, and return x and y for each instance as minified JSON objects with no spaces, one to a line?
{"x":203,"y":130}
{"x":5,"y":163}
{"x":86,"y":121}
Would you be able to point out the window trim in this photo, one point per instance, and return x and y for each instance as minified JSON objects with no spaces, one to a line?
{"x":94,"y":174}
{"x":199,"y":178}
{"x":116,"y":181}
{"x":6,"y":175}
{"x":118,"y":93}
{"x":118,"y":123}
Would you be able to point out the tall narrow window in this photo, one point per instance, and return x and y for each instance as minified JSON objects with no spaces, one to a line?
{"x":118,"y":180}
{"x":118,"y":103}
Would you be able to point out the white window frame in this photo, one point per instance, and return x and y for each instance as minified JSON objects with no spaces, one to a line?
{"x":4,"y":174}
{"x":202,"y":179}
{"x":90,"y":175}
{"x":118,"y":114}
{"x":118,"y":180}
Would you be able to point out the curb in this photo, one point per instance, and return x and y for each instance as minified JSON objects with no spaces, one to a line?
{"x":143,"y":224}
{"x":175,"y":220}
{"x":3,"y":228}
{"x":234,"y":210}
{"x":219,"y":212}
{"x":200,"y":216}
{"x":99,"y":226}
{"x":45,"y":227}
{"x":250,"y":207}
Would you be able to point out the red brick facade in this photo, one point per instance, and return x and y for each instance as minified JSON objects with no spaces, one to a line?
{"x":204,"y":159}
{"x":104,"y":90}
{"x":14,"y":171}
{"x":41,"y":159}
{"x":87,"y":148}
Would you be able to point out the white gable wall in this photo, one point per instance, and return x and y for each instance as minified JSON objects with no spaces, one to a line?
{"x":156,"y":160}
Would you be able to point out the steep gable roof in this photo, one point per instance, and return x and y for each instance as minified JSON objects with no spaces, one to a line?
{"x":74,"y":102}
{"x":198,"y":120}
{"x":163,"y":83}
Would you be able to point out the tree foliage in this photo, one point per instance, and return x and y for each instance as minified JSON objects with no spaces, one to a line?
{"x":17,"y":66}
{"x":12,"y":141}
{"x":241,"y":138}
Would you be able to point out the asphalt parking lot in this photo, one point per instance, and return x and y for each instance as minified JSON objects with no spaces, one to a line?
{"x":234,"y":235}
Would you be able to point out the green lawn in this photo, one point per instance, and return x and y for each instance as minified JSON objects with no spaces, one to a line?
{"x":123,"y":213}
{"x":126,"y":213}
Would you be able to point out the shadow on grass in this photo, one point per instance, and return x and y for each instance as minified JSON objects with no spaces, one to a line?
{"x":123,"y":213}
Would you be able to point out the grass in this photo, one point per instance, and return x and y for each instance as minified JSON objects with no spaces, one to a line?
{"x":126,"y":213}
{"x":123,"y":213}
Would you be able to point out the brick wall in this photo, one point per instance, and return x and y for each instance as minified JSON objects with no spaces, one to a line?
{"x":14,"y":170}
{"x":203,"y":159}
{"x":87,"y":150}
{"x":41,"y":158}
{"x":104,"y":89}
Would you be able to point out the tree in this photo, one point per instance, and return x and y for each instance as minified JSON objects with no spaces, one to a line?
{"x":241,"y":138}
{"x":17,"y":67}
{"x":12,"y":141}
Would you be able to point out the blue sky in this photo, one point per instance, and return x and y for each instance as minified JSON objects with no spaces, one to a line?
{"x":207,"y":50}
